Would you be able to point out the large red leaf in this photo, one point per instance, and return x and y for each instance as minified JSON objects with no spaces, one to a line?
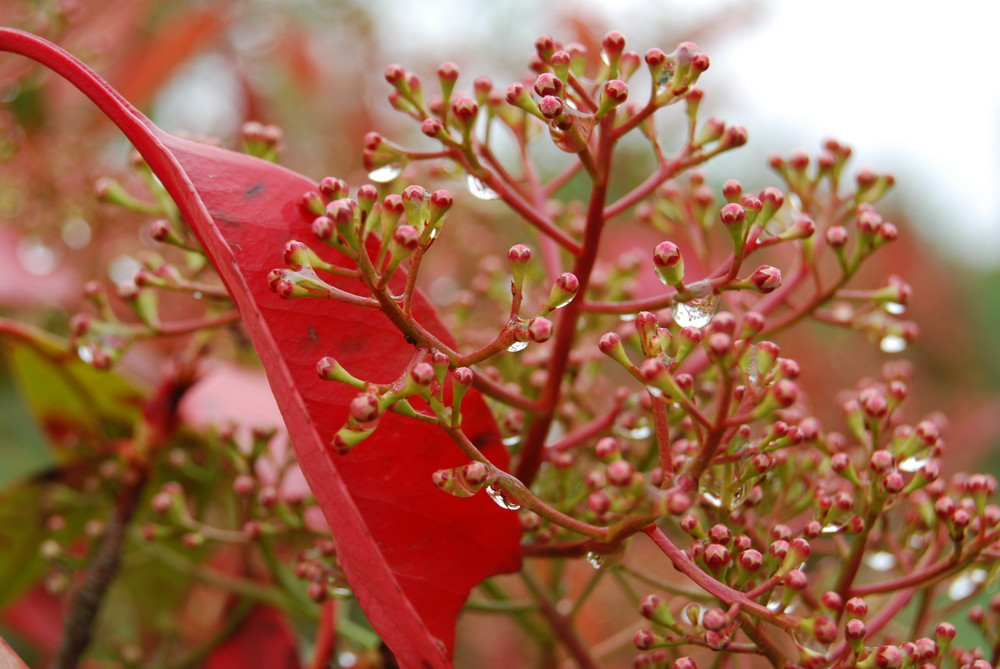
{"x":410,"y":552}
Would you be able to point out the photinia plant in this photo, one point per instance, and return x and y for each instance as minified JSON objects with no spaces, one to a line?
{"x":640,"y":396}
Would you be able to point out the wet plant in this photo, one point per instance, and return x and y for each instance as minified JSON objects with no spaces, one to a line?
{"x":608,"y":376}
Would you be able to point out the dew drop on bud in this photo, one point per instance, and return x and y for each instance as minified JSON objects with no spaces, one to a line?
{"x":498,"y":495}
{"x":594,"y":560}
{"x":912,"y":464}
{"x":695,"y":313}
{"x":517,"y":346}
{"x":86,"y":354}
{"x":895,"y":308}
{"x":386,"y":173}
{"x":892,"y":344}
{"x":481,"y":190}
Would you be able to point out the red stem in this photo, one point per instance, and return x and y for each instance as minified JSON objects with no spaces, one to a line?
{"x":684,"y":564}
{"x":326,"y":638}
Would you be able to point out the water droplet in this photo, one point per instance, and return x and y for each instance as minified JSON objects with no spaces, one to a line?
{"x":511,"y":441}
{"x":895,"y":308}
{"x":386,"y":173}
{"x":912,"y":464}
{"x":594,"y":560}
{"x":711,"y":499}
{"x":695,"y":313}
{"x":880,"y":560}
{"x":892,"y":344}
{"x":500,"y":497}
{"x":481,"y":190}
{"x":347,"y":659}
{"x":832,"y":528}
{"x":639,"y":432}
{"x":75,"y":233}
{"x":564,"y":606}
{"x":197,"y":295}
{"x":966,"y":583}
{"x":35,"y":257}
{"x":517,"y":346}
{"x":85,"y":353}
{"x":654,"y":391}
{"x":627,"y":318}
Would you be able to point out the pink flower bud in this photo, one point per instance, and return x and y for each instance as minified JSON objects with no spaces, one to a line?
{"x":734,"y":137}
{"x":893,"y":482}
{"x":465,"y":109}
{"x":644,"y":639}
{"x":720,"y":534}
{"x":655,"y":58}
{"x":732,"y":214}
{"x":881,"y":461}
{"x":431,"y":127}
{"x":423,"y":374}
{"x":716,"y":556}
{"x":855,"y":629}
{"x":714,"y":619}
{"x":751,"y":560}
{"x":873,"y":403}
{"x":545,"y":46}
{"x":606,"y":448}
{"x":613,"y":43}
{"x":796,"y":580}
{"x":616,"y":91}
{"x":766,"y":278}
{"x":548,"y":84}
{"x":720,"y":345}
{"x":407,"y":237}
{"x":831,"y":601}
{"x":786,"y":392}
{"x":540,"y":330}
{"x":365,"y":408}
{"x":888,"y":657}
{"x":619,"y":473}
{"x":448,"y":72}
{"x":550,"y":106}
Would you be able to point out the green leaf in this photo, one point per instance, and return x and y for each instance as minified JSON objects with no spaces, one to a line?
{"x":75,"y":404}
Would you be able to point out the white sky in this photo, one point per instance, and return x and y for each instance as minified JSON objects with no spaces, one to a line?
{"x":913,"y":87}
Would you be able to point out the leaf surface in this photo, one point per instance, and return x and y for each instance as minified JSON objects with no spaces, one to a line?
{"x":410,"y":552}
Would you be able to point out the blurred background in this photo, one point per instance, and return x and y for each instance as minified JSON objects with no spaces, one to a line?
{"x":912,"y":91}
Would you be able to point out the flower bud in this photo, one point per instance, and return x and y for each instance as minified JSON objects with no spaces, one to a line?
{"x":540,"y":330}
{"x":766,"y":278}
{"x":668,"y":263}
{"x":655,"y":609}
{"x":562,"y":293}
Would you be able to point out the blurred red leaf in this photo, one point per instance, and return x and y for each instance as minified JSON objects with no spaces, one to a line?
{"x":410,"y":552}
{"x":263,"y":639}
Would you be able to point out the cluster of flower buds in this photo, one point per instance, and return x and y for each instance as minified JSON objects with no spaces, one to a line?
{"x":261,"y":141}
{"x":318,"y":568}
{"x":267,"y":505}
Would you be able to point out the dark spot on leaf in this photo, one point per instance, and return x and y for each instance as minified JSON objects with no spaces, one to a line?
{"x":254,"y":191}
{"x":409,"y":339}
{"x":313,"y":335}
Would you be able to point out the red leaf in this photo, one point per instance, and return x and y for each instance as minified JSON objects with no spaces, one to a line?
{"x":410,"y":552}
{"x":263,"y":639}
